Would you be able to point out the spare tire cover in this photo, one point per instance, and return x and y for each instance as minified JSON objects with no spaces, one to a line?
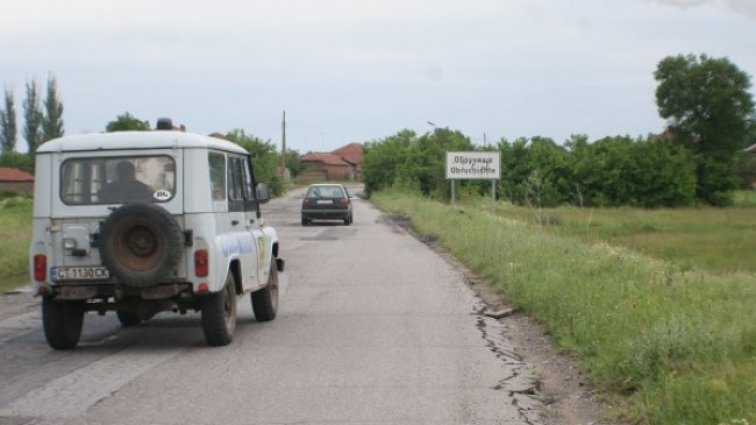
{"x":141,"y":244}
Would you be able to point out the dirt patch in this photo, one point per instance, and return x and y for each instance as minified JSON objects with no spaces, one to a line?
{"x":562,"y":386}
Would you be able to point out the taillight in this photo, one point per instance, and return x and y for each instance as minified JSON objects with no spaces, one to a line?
{"x":40,"y":267}
{"x":201,"y":264}
{"x":304,"y":201}
{"x":343,"y":201}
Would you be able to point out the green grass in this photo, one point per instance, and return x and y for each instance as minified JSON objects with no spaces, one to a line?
{"x":15,"y":234}
{"x":744,"y":198}
{"x":716,"y":239}
{"x":669,"y":344}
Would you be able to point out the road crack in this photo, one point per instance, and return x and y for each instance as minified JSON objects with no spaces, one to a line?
{"x":519,"y":383}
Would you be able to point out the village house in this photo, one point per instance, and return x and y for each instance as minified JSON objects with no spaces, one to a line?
{"x":15,"y":180}
{"x":344,"y":163}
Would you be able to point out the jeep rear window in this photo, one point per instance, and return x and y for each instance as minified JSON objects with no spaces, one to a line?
{"x":117,"y":180}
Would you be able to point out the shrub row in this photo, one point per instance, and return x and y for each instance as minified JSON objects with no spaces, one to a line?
{"x":646,"y":172}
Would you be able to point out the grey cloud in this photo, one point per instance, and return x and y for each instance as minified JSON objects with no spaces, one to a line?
{"x":746,"y":7}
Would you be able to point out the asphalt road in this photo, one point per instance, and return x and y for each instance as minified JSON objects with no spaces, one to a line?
{"x":374,"y":327}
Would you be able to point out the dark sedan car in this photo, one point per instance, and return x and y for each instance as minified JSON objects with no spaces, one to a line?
{"x":326,"y":202}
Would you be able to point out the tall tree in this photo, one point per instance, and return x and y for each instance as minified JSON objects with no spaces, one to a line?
{"x":52,"y":121}
{"x":8,"y":129}
{"x":127,"y":122}
{"x":709,"y":109}
{"x":32,"y":117}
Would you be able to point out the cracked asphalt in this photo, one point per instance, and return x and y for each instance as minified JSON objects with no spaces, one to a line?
{"x":374,"y":327}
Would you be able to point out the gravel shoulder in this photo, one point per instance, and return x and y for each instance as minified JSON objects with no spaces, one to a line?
{"x":16,"y":303}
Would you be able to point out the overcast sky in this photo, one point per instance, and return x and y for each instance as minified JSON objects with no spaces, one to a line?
{"x":360,"y":70}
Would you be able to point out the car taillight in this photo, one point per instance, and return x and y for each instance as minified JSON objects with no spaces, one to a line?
{"x":201,"y":264}
{"x":40,"y":267}
{"x":304,"y":201}
{"x":343,"y":201}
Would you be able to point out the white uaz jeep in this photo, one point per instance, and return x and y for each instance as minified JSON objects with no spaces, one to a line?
{"x":143,"y":222}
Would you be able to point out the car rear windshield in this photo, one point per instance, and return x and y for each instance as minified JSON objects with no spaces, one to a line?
{"x":325,"y":192}
{"x":91,"y":181}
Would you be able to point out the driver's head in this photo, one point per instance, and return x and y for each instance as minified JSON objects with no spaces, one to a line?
{"x":125,"y":171}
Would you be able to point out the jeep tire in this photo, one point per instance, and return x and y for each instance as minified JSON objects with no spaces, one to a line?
{"x":265,"y":301}
{"x":141,"y":244}
{"x":219,"y":314}
{"x":62,"y":322}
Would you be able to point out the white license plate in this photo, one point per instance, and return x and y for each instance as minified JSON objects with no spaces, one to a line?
{"x":79,"y":273}
{"x":325,"y":202}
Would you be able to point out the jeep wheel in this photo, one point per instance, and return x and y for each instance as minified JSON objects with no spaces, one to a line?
{"x":265,"y":301}
{"x":219,"y":315}
{"x":128,"y":318}
{"x":141,"y":244}
{"x":62,"y":322}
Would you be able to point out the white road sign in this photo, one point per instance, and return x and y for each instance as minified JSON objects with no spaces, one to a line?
{"x":473,"y":165}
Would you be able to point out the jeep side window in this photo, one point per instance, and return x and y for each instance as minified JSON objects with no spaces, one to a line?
{"x":217,"y":163}
{"x":235,"y":184}
{"x":249,"y":188}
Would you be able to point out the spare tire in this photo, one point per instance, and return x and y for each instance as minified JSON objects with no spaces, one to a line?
{"x":140,"y":244}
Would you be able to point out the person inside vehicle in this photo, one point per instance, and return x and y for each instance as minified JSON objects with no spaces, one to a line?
{"x":126,"y":187}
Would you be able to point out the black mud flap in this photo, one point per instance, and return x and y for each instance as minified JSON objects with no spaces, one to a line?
{"x":280,"y":264}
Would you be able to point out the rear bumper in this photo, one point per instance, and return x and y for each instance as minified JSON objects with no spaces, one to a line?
{"x":325,"y":214}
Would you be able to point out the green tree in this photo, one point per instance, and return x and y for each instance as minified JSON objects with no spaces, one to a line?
{"x":8,"y":129}
{"x":709,"y":109}
{"x":424,"y":167}
{"x":32,"y":117}
{"x":383,"y":157}
{"x":540,"y":160}
{"x":52,"y":122}
{"x":293,"y":162}
{"x":127,"y":122}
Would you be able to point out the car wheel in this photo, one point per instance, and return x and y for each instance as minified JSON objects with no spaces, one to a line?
{"x":219,"y":315}
{"x":305,"y":221}
{"x":128,"y":318}
{"x":346,"y":221}
{"x":62,"y":322}
{"x":265,"y":301}
{"x":141,"y":244}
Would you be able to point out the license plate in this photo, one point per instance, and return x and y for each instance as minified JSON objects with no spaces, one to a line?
{"x":79,"y":273}
{"x":325,"y":202}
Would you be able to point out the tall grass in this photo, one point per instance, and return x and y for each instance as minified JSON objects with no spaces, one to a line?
{"x":679,"y":344}
{"x":15,"y":234}
{"x":716,"y":239}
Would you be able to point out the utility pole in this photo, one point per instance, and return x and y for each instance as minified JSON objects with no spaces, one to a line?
{"x":485,"y":145}
{"x":283,"y":143}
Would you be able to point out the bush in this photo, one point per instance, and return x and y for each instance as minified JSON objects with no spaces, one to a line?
{"x":613,"y":171}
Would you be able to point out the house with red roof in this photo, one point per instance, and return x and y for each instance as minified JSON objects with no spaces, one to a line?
{"x":15,"y":180}
{"x":344,"y":163}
